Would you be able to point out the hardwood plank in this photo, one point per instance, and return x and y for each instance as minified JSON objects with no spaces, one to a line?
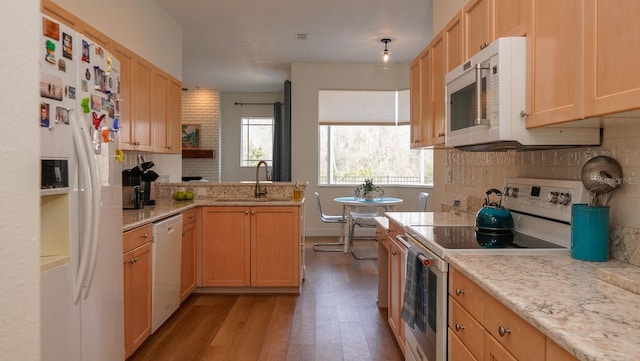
{"x":334,"y":318}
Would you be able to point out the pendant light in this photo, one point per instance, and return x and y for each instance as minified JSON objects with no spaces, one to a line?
{"x":386,"y":54}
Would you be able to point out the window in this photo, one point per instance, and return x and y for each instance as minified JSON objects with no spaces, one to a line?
{"x":366,"y":134}
{"x":257,"y":141}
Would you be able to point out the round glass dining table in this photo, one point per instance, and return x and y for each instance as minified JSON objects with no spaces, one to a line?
{"x":351,"y":203}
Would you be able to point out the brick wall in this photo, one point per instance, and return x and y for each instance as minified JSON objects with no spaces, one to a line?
{"x":201,"y":106}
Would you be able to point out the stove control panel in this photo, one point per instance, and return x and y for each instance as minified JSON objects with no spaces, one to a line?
{"x":549,"y":198}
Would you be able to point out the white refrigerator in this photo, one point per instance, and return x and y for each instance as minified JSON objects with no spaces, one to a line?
{"x":81,"y":224}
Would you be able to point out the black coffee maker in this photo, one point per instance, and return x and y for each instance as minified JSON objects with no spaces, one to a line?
{"x":146,"y":176}
{"x":132,"y":192}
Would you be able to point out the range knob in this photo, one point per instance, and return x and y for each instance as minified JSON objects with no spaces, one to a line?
{"x":564,"y":198}
{"x":553,"y":197}
{"x":511,"y":192}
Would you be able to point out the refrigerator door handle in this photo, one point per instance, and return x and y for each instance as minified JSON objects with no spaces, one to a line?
{"x":95,"y":213}
{"x":84,"y":176}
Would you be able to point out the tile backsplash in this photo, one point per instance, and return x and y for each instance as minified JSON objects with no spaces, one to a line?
{"x":470,"y":174}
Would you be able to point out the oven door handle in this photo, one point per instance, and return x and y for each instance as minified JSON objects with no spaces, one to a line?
{"x":402,"y":240}
{"x":426,"y":260}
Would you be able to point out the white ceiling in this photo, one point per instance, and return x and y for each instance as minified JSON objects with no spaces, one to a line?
{"x":249,"y":45}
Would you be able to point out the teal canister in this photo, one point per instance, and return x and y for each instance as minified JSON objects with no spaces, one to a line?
{"x":589,"y":232}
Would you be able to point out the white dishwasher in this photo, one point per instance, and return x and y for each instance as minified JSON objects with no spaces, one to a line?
{"x":166,"y":251}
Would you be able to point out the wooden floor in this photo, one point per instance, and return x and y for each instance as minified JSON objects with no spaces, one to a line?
{"x":334,"y":318}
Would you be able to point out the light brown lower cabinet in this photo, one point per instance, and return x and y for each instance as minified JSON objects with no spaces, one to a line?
{"x":492,"y":332}
{"x":188,"y":256}
{"x":250,"y":246}
{"x":136,"y":260}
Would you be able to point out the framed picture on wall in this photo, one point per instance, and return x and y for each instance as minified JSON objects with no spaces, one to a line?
{"x":191,"y":136}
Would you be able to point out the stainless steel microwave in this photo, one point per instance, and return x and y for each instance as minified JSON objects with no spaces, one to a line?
{"x":486,"y":104}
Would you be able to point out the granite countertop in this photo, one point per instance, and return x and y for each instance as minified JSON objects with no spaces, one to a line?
{"x":564,"y":299}
{"x":432,"y":218}
{"x":133,"y":218}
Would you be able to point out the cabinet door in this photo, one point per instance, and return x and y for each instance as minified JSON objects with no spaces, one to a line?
{"x":141,"y":93}
{"x":554,"y":53}
{"x":275,"y":260}
{"x":453,"y":42}
{"x":188,"y":260}
{"x":612,"y":55}
{"x":494,"y":351}
{"x":225,"y":246}
{"x":457,"y":350}
{"x":414,"y":100}
{"x":510,"y":18}
{"x":476,"y":15}
{"x":137,"y":297}
{"x":426,"y":98}
{"x":397,"y":263}
{"x":557,"y":353}
{"x":438,"y":72}
{"x":174,"y":116}
{"x":125,"y":56}
{"x":160,"y":83}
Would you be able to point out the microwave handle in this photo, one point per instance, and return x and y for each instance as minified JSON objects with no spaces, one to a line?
{"x":479,"y":120}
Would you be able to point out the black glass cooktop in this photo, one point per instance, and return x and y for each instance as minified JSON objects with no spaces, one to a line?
{"x":468,"y":237}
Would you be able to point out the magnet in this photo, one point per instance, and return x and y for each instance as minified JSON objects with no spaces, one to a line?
{"x":72,"y":92}
{"x":67,"y":46}
{"x":85,"y":52}
{"x":62,"y":66}
{"x":109,"y":62}
{"x":51,"y":49}
{"x":44,"y":115}
{"x":97,"y":120}
{"x":87,"y":74}
{"x":85,"y":105}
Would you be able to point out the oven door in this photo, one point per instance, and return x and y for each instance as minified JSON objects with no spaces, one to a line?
{"x":432,"y":344}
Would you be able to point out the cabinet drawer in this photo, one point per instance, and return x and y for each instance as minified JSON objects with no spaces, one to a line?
{"x":136,"y":237}
{"x":189,"y":216}
{"x":494,"y":350}
{"x":520,"y":338}
{"x":468,"y":294}
{"x":457,"y":349}
{"x":466,"y":328}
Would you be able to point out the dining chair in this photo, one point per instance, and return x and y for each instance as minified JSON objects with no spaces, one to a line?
{"x":422,"y":202}
{"x":365,"y":219}
{"x":325,"y":218}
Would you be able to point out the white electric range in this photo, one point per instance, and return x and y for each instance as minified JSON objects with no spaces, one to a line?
{"x":541,"y":210}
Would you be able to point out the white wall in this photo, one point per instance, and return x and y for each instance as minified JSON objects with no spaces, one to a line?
{"x":231,"y":128}
{"x":306,"y":80}
{"x":20,"y":159}
{"x":143,"y":26}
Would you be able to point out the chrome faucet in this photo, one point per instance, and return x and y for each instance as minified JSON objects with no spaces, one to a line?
{"x":263,"y":191}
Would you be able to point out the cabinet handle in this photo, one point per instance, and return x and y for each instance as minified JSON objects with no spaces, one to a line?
{"x":182,"y":234}
{"x":145,"y":236}
{"x":523,"y":114}
{"x":459,"y":327}
{"x":394,"y":253}
{"x":502,"y":331}
{"x":459,"y":292}
{"x":246,"y":212}
{"x":253,"y":212}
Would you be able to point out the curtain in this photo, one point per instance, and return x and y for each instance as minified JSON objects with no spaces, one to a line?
{"x":281,"y":168}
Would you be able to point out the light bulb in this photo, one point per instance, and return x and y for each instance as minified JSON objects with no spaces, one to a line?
{"x":385,"y":57}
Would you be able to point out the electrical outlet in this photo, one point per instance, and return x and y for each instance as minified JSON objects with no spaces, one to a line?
{"x":200,"y":191}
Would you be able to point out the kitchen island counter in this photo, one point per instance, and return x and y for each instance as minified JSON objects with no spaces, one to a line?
{"x":563,"y":298}
{"x":166,"y":207}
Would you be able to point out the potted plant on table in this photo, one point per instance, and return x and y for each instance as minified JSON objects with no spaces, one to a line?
{"x":368,"y":190}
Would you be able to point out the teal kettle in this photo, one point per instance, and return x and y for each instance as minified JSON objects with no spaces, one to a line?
{"x":493,"y":216}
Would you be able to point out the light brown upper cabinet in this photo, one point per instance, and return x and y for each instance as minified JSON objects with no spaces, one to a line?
{"x":141,"y":92}
{"x":419,"y":133}
{"x":53,"y":10}
{"x":554,"y":69}
{"x":438,"y":70}
{"x":454,"y":43}
{"x":125,"y":56}
{"x":486,"y":20}
{"x":477,"y":24}
{"x":612,"y":56}
{"x":166,"y":112}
